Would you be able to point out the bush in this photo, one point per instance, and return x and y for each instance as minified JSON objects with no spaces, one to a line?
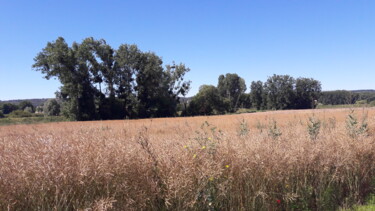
{"x":51,"y":108}
{"x":19,"y":113}
{"x":27,"y":106}
{"x":1,"y":114}
{"x":7,"y":108}
{"x":361,"y":102}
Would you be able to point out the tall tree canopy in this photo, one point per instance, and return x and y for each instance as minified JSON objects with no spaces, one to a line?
{"x":307,"y":92}
{"x":99,"y":82}
{"x":257,"y":94}
{"x":231,"y":86}
{"x":280,"y":92}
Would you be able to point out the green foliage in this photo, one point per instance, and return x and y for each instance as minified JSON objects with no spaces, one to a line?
{"x":361,"y":102}
{"x":313,"y":127}
{"x":245,"y":101}
{"x":280,"y":92}
{"x":19,"y":113}
{"x":273,"y":131}
{"x":231,"y":87}
{"x":284,"y":92}
{"x":8,"y":108}
{"x":368,"y":206}
{"x":29,"y":109}
{"x":257,"y":95}
{"x":27,"y":106}
{"x":39,"y":109}
{"x":355,"y":128}
{"x":308,"y":92}
{"x":1,"y":114}
{"x":31,"y":120}
{"x":245,"y":110}
{"x":338,"y":97}
{"x":51,"y":108}
{"x":96,"y":78}
{"x":207,"y":102}
{"x":244,"y":129}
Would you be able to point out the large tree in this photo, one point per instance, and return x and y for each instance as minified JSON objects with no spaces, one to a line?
{"x":100,"y":82}
{"x":307,"y":92}
{"x":280,"y":92}
{"x":207,"y":102}
{"x":70,"y":66}
{"x":231,"y":86}
{"x":127,"y":63}
{"x":157,"y":89}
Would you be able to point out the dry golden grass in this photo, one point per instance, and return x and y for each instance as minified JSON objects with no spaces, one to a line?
{"x":197,"y":163}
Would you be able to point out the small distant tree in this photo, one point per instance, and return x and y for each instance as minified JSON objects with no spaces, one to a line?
{"x":26,"y":105}
{"x":51,"y":108}
{"x":39,"y":109}
{"x":7,"y":108}
{"x":28,"y":109}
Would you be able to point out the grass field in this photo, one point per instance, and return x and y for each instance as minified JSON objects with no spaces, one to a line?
{"x":282,"y":160}
{"x":30,"y":120}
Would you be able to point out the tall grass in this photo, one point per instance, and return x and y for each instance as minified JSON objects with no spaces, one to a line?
{"x":204,"y":163}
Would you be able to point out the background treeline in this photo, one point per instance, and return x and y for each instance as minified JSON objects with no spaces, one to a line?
{"x":30,"y":108}
{"x":99,"y":82}
{"x":347,"y":97}
{"x":208,"y":101}
{"x":278,"y":92}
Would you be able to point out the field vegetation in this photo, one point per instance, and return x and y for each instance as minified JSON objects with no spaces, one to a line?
{"x":283,"y":160}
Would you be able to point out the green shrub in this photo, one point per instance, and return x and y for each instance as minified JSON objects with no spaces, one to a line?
{"x":355,"y":128}
{"x":1,"y":114}
{"x":313,"y":127}
{"x":19,"y":113}
{"x":273,"y":130}
{"x":361,"y":102}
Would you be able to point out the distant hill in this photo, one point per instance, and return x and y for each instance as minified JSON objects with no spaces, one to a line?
{"x":35,"y":102}
{"x":363,"y":90}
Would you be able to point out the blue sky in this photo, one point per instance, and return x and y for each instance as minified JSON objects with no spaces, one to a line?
{"x":329,"y":40}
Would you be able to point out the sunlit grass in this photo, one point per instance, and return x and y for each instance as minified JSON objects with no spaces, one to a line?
{"x":230,"y":162}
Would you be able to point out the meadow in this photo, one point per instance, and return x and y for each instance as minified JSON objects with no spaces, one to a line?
{"x":282,"y":160}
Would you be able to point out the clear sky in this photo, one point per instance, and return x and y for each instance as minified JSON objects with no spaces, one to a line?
{"x":329,"y":40}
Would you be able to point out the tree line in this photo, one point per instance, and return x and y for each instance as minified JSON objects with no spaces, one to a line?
{"x":26,"y":108}
{"x":278,"y":92}
{"x":338,"y":97}
{"x":100,"y":82}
